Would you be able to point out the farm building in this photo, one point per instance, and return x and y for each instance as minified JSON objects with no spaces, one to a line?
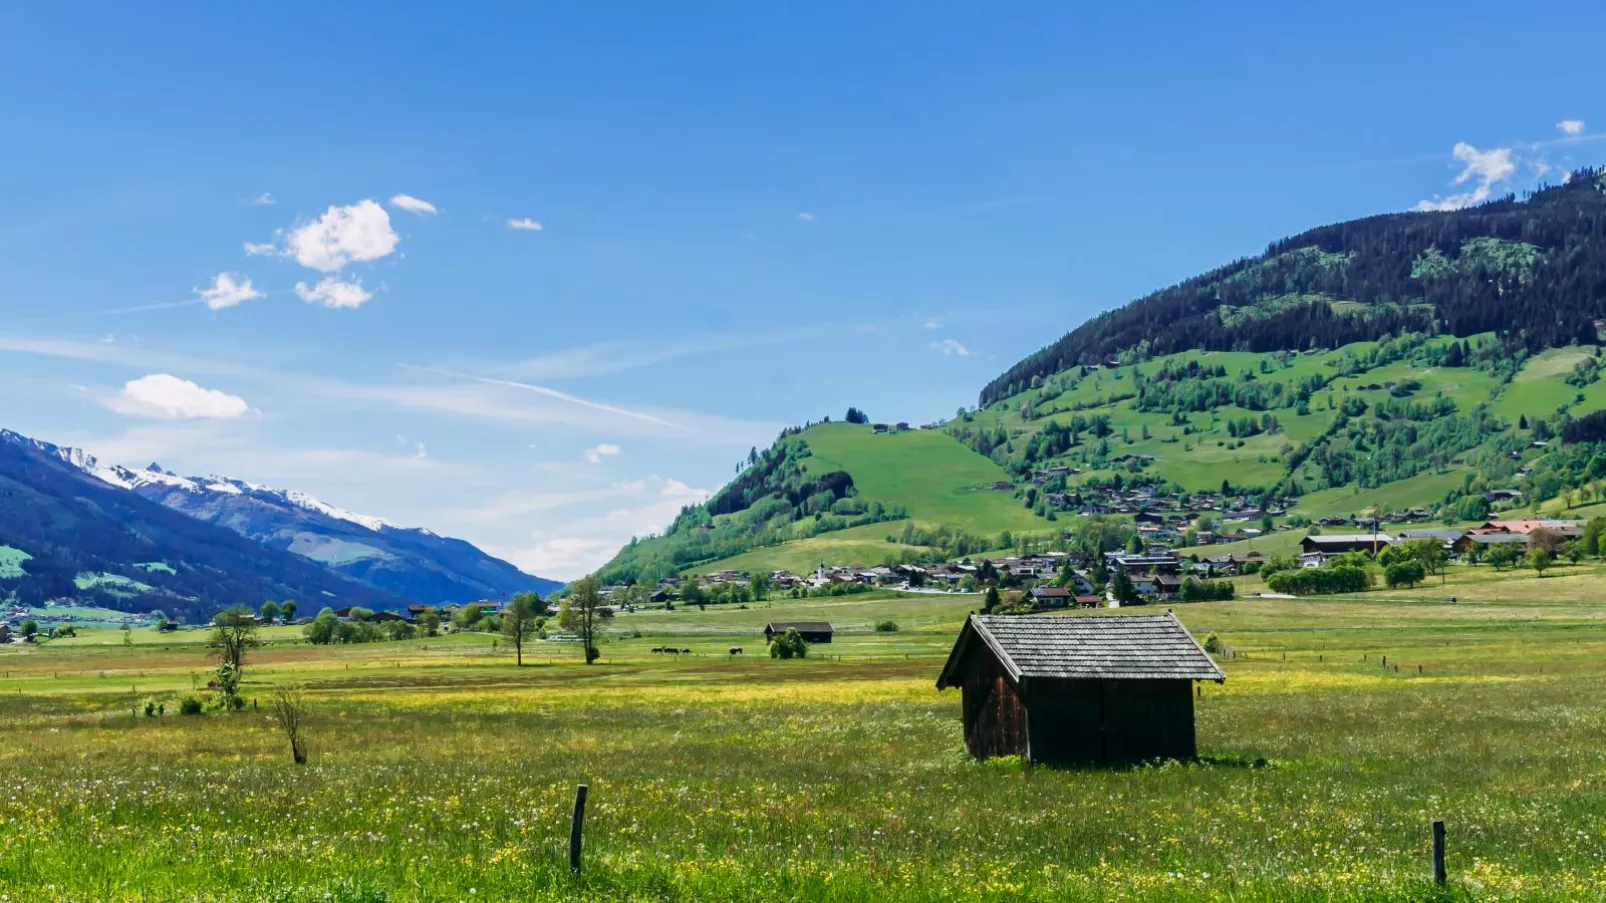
{"x":1339,"y":543}
{"x":810,"y":631}
{"x":1093,"y":689}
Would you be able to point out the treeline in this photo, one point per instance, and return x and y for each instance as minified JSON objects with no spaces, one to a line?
{"x":1529,"y":269}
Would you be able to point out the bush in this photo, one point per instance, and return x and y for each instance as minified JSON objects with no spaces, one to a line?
{"x":1213,"y":645}
{"x":886,"y":626}
{"x":789,"y":645}
{"x":190,"y":705}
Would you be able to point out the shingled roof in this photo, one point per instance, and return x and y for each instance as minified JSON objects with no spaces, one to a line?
{"x":799,"y":626}
{"x":1105,"y":647}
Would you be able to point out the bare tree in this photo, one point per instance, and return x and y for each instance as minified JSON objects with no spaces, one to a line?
{"x":583,"y":613}
{"x":519,"y":622}
{"x":289,"y":709}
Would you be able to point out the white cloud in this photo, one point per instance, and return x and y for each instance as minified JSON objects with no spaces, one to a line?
{"x":357,"y":232}
{"x":228,"y":290}
{"x":264,"y":199}
{"x":1484,"y":169}
{"x":165,"y":396}
{"x":595,"y":455}
{"x":422,"y":452}
{"x":332,"y":292}
{"x":1571,"y":126}
{"x":260,"y":249}
{"x":413,"y":205}
{"x":806,"y":217}
{"x":951,"y":347}
{"x":525,"y":224}
{"x":933,"y":324}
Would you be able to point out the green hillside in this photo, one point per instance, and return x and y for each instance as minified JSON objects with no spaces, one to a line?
{"x":836,"y":492}
{"x":1405,"y":364}
{"x":934,"y":478}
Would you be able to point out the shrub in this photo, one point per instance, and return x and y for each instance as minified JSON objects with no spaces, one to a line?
{"x":1404,"y":573}
{"x":789,"y":645}
{"x":888,"y":626}
{"x":1213,"y":645}
{"x":190,"y":705}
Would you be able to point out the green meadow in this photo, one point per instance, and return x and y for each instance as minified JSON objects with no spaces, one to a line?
{"x":440,"y":771}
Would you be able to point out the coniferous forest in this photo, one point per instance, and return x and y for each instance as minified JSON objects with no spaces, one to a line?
{"x":1532,"y":270}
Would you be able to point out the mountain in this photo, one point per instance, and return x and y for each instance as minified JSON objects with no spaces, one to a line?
{"x":1533,"y":269}
{"x":1421,"y":365}
{"x":412,"y":563}
{"x":65,"y":531}
{"x":408,"y":561}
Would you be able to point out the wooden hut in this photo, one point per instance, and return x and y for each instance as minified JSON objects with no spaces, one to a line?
{"x":811,"y":631}
{"x":1089,"y":689}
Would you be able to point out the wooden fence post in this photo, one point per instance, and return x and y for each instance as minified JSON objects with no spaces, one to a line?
{"x":575,"y":827}
{"x":1439,"y":875}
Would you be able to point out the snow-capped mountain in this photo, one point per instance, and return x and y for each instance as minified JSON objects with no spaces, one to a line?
{"x":410,"y":561}
{"x":80,"y":535}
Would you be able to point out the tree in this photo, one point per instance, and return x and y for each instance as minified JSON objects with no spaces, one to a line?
{"x":1546,"y":540}
{"x":30,"y":627}
{"x":762,"y":584}
{"x":584,"y":613}
{"x":518,"y":622}
{"x":1539,"y":559}
{"x":270,"y":611}
{"x":1430,"y":554}
{"x":1134,"y":545}
{"x":323,"y":629}
{"x":990,"y":602}
{"x":430,"y":622}
{"x":1404,"y":573}
{"x":234,"y":630}
{"x":289,"y":709}
{"x":1125,"y":593}
{"x":287,"y":610}
{"x":1504,"y":554}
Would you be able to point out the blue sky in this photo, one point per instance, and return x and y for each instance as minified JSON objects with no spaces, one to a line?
{"x":284,"y":243}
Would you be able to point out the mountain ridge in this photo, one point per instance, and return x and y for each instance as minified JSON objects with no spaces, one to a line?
{"x":411,"y":562}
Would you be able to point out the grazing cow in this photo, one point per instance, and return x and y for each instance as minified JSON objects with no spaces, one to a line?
{"x":685,"y":652}
{"x":736,"y":650}
{"x":671,"y":650}
{"x":657,"y":648}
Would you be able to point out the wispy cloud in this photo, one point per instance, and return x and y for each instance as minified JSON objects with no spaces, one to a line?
{"x":806,"y":217}
{"x":331,"y":291}
{"x":228,"y":290}
{"x":933,"y":324}
{"x":1571,"y":126}
{"x":951,"y":347}
{"x":614,"y":357}
{"x":525,"y":224}
{"x":265,"y":199}
{"x":1484,"y":169}
{"x":597,"y":453}
{"x":554,"y":393}
{"x":413,"y":205}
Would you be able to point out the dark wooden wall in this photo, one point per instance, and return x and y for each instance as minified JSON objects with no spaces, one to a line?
{"x":994,"y":715}
{"x":1110,"y":721}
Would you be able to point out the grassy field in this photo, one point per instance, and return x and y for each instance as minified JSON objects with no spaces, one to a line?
{"x":933,"y":476}
{"x":441,"y":772}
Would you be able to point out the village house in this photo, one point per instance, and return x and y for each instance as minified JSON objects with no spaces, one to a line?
{"x":1078,"y":690}
{"x":1339,"y":543}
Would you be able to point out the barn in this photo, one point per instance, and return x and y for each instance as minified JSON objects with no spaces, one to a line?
{"x":811,"y":631}
{"x":1092,"y":689}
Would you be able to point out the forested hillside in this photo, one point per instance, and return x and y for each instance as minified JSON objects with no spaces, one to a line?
{"x":1531,"y":270}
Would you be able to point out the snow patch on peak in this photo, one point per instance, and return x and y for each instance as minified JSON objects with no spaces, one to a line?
{"x":302,"y":500}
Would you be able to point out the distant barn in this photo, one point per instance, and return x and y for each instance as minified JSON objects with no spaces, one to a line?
{"x":810,"y":631}
{"x":1078,"y":690}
